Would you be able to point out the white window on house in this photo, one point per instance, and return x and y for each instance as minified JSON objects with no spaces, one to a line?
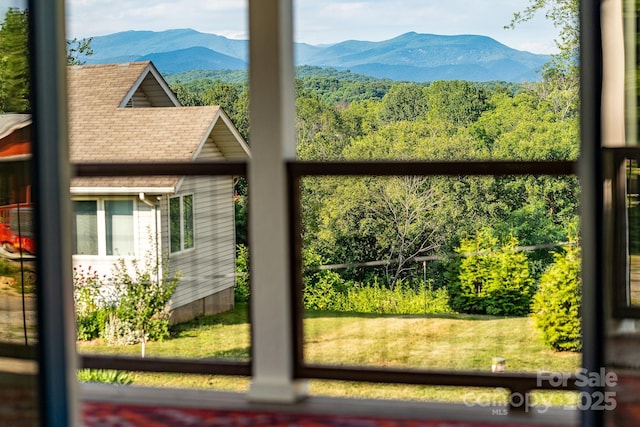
{"x":85,"y":227}
{"x":181,"y":228}
{"x":103,"y":227}
{"x":119,"y":227}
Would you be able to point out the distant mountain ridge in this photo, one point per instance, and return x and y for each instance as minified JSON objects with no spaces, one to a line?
{"x":410,"y":56}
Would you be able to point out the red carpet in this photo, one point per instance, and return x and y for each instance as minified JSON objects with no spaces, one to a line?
{"x":117,"y":415}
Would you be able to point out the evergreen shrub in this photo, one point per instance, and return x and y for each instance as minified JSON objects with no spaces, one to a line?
{"x":491,"y":277}
{"x":556,"y":304}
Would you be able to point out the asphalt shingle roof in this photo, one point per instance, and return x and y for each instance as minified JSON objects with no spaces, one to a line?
{"x":100,"y":131}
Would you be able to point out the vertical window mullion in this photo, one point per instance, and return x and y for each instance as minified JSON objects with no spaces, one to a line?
{"x":102,"y":229}
{"x":188,"y":239}
{"x":181,"y":223}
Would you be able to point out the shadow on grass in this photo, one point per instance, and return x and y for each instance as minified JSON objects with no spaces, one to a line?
{"x":237,"y":316}
{"x":238,"y":354}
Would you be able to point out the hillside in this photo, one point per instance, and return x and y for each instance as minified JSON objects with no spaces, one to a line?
{"x":410,"y":57}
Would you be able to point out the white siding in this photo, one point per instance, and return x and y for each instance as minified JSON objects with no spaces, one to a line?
{"x":210,"y":151}
{"x":209,"y":267}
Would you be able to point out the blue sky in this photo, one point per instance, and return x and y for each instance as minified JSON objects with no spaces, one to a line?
{"x":318,"y":21}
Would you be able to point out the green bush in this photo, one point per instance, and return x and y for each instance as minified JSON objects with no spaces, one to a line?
{"x":104,"y":376}
{"x":402,"y":299}
{"x":242,"y":289}
{"x":92,"y":324}
{"x":556,"y":304}
{"x":510,"y":288}
{"x":8,"y":269}
{"x":24,"y":280}
{"x":91,"y":315}
{"x":144,"y":296}
{"x":491,"y":278}
{"x":321,"y":291}
{"x":322,"y":288}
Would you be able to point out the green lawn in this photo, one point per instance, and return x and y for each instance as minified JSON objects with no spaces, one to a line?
{"x":455,"y":342}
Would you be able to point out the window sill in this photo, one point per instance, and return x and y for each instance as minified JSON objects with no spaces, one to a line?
{"x":322,"y":406}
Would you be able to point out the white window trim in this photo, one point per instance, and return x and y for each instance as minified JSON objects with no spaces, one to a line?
{"x":101,"y":220}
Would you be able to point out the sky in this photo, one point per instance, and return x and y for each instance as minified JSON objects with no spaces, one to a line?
{"x":319,"y":21}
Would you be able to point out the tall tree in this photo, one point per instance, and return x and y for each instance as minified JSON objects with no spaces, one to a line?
{"x":408,"y":224}
{"x":455,"y":102}
{"x":565,"y":16}
{"x":14,"y":62}
{"x":404,"y":101}
{"x":78,"y":50}
{"x":15,"y":80}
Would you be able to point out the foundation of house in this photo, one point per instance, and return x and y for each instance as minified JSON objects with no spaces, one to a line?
{"x":213,"y":304}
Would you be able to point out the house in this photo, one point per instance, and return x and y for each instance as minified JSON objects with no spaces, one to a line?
{"x":127,"y":113}
{"x":15,"y":185}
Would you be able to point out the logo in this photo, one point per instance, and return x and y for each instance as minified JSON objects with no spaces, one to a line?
{"x":595,"y":400}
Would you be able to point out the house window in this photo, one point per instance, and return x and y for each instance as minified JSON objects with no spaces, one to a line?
{"x":119,"y":227}
{"x":103,"y":227}
{"x":85,"y":227}
{"x":181,"y":222}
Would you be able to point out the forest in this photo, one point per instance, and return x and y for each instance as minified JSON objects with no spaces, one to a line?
{"x":476,"y":232}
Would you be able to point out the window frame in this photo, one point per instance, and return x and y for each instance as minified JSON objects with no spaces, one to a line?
{"x":181,"y":198}
{"x":515,"y":382}
{"x":101,"y":223}
{"x":271,"y":93}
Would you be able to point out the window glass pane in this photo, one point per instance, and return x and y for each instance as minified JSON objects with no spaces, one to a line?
{"x":633,"y":220}
{"x":443,"y":81}
{"x":187,"y":208}
{"x":441,"y":273}
{"x":85,"y":228}
{"x":119,"y":224}
{"x":18,"y":283}
{"x":174,"y":223}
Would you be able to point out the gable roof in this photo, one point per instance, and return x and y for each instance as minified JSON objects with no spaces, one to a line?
{"x":127,"y":113}
{"x":14,"y":145}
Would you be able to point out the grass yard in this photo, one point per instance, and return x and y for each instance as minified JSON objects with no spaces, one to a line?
{"x":456,"y":342}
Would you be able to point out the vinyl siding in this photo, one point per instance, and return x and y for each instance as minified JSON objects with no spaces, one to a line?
{"x":209,"y":267}
{"x":210,"y":151}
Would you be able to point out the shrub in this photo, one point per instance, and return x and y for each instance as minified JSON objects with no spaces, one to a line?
{"x":91,"y":312}
{"x":322,"y":288}
{"x":242,"y":289}
{"x":510,"y":288}
{"x":321,"y":291}
{"x":22,"y":280}
{"x":92,"y":324}
{"x":402,"y":299}
{"x":556,"y":304}
{"x":7,"y":268}
{"x":144,"y":298}
{"x":104,"y":376}
{"x":491,"y":278}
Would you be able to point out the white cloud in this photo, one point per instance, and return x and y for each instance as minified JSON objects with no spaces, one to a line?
{"x":87,"y":18}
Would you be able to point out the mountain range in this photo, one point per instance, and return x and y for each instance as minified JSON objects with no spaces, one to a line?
{"x":410,"y":57}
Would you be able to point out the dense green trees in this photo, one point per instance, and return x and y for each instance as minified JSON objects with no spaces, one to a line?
{"x":404,"y":232}
{"x":15,"y":79}
{"x":14,"y":62}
